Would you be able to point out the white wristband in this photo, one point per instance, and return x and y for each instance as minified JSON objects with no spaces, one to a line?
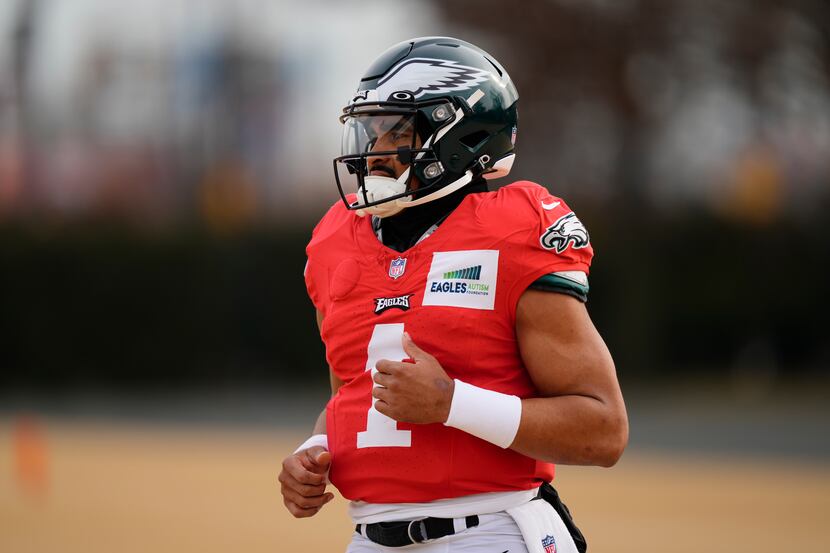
{"x":316,"y":439}
{"x":485,"y":414}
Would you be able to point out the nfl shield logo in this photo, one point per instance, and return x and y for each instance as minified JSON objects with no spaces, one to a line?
{"x":549,"y":544}
{"x":397,"y":267}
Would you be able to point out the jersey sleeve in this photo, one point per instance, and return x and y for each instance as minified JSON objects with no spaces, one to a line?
{"x":317,"y":270}
{"x":547,"y":241}
{"x":571,"y":283}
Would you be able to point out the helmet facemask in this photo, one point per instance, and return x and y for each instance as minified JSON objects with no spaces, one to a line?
{"x":387,"y":155}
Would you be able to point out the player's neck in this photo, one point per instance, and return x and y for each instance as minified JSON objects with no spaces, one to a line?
{"x":405,"y":229}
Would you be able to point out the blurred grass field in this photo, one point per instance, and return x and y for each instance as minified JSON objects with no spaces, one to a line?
{"x":129,"y":487}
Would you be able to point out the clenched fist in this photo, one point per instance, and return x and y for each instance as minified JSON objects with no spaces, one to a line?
{"x":303,"y":481}
{"x":419,"y":392}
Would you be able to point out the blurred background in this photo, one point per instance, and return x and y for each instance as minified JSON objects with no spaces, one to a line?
{"x":162,"y":165}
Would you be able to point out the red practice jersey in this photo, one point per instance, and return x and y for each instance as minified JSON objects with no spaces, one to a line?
{"x":455,"y":293}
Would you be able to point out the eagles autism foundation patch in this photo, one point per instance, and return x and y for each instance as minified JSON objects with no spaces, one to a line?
{"x":463,"y":279}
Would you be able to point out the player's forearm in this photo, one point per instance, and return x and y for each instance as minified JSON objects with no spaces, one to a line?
{"x":572,"y":430}
{"x":320,"y":424}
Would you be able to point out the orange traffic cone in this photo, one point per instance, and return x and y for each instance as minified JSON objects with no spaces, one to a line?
{"x":31,"y":457}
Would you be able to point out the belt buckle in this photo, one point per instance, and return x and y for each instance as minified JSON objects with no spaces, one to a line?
{"x":409,"y":532}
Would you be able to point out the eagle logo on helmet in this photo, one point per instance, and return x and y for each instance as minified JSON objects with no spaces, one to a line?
{"x":428,"y":76}
{"x":567,"y":230}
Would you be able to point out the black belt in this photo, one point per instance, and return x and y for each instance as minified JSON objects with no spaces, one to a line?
{"x":407,"y":532}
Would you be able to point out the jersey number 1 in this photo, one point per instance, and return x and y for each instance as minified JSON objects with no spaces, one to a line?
{"x":382,"y":431}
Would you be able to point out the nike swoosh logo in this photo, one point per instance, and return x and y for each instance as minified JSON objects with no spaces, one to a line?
{"x":550,"y":206}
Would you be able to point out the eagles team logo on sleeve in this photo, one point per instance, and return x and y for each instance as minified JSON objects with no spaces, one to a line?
{"x":566,"y":231}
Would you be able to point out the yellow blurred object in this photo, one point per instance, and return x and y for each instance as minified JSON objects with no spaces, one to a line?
{"x":757,"y":193}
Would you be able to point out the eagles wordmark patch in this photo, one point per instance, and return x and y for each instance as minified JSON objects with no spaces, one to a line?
{"x":566,"y":231}
{"x":398,"y":302}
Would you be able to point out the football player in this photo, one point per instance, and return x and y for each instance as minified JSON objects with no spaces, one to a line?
{"x":463,"y":362}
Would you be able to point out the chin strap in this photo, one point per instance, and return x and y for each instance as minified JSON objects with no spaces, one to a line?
{"x":394,"y":207}
{"x":440,"y":193}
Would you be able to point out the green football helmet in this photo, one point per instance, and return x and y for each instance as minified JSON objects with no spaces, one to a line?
{"x":429,"y":116}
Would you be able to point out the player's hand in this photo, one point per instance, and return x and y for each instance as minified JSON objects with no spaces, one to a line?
{"x":419,"y":392}
{"x":303,"y":481}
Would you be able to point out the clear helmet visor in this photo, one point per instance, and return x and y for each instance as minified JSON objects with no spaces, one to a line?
{"x":377,"y":152}
{"x":367,"y":134}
